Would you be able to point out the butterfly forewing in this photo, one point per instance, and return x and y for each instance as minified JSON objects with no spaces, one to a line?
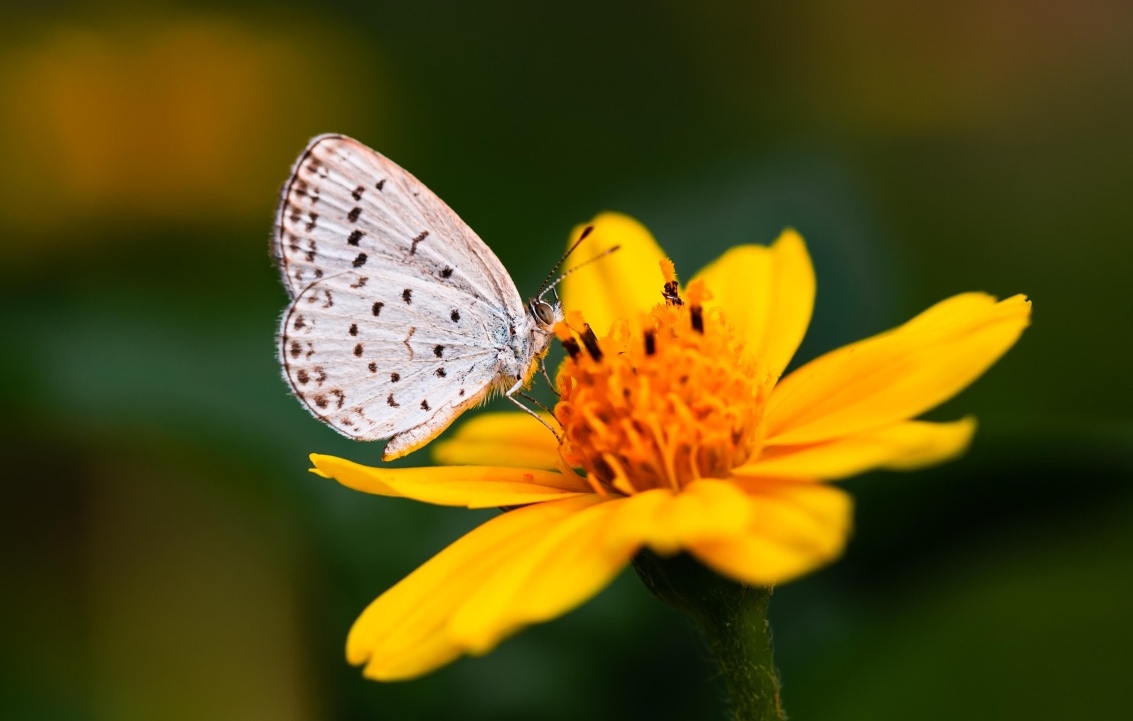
{"x":399,"y":310}
{"x":348,"y":207}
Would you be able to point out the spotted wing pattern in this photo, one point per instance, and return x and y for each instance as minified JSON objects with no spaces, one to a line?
{"x":399,"y":311}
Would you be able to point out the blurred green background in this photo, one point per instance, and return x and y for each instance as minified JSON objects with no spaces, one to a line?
{"x":167,"y":556}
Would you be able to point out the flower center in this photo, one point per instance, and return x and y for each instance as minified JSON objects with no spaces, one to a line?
{"x":660,"y":402}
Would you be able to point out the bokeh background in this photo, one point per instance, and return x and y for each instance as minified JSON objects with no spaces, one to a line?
{"x":167,"y":556}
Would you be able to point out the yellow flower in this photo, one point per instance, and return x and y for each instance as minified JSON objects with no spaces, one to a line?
{"x":687,"y":439}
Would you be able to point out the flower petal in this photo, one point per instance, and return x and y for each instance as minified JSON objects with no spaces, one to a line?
{"x":797,"y":527}
{"x":768,"y":293}
{"x":622,"y":285}
{"x":669,"y":521}
{"x":572,"y":560}
{"x":904,"y":446}
{"x":469,"y":486}
{"x":896,"y":375}
{"x":499,"y":439}
{"x":404,"y":632}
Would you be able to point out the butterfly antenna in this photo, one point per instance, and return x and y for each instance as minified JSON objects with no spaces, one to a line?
{"x":562,"y":277}
{"x":544,"y":288}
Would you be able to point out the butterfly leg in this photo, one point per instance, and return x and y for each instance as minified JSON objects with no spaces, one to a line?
{"x":511,"y":396}
{"x":535,"y":401}
{"x":551,"y":383}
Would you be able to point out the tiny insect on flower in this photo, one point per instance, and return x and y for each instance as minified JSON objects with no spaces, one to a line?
{"x":401,"y":318}
{"x":678,"y":435}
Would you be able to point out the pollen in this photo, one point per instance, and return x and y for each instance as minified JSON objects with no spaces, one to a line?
{"x":661,"y":401}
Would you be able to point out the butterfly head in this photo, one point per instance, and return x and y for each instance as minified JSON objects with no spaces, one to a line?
{"x":545,"y":314}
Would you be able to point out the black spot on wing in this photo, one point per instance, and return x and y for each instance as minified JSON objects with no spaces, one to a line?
{"x":392,"y":402}
{"x":394,"y":377}
{"x":407,"y":296}
{"x":352,"y":216}
{"x":376,"y":309}
{"x":358,"y":350}
{"x":355,"y":237}
{"x":353,"y":329}
{"x":455,"y":315}
{"x":357,"y":192}
{"x":424,"y":405}
{"x":359,"y":261}
{"x":447,"y":272}
{"x":439,"y":350}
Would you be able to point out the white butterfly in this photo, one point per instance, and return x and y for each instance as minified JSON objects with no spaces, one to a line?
{"x":401,"y":317}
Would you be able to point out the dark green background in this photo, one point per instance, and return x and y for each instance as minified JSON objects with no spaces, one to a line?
{"x":167,"y":556}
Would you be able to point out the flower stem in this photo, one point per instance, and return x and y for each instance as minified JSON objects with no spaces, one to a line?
{"x":732,"y":619}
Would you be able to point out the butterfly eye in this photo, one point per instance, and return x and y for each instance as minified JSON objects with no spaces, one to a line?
{"x":544,"y":313}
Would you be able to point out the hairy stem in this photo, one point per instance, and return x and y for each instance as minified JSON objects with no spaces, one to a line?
{"x":732,"y":619}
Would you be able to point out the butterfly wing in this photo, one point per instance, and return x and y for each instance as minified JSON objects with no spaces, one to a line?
{"x":399,"y":310}
{"x":347,"y":207}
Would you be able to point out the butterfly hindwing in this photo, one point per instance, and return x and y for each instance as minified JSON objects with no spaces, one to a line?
{"x":379,"y":354}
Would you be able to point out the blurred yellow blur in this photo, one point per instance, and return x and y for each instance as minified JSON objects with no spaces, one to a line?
{"x":182,"y":119}
{"x":888,"y":66}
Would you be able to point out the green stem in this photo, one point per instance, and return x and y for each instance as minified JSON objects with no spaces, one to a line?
{"x":732,"y":618}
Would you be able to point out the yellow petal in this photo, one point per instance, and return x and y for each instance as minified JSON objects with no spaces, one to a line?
{"x":668,"y":522}
{"x":896,"y":375}
{"x":904,"y":446}
{"x":403,"y":633}
{"x":499,"y":439}
{"x":469,"y":486}
{"x":570,"y":562}
{"x":768,"y":293}
{"x":797,"y":527}
{"x":621,"y":285}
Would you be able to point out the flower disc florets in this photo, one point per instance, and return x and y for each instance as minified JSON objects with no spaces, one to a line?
{"x":662,"y":402}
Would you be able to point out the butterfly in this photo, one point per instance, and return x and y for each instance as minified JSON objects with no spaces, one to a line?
{"x":401,"y":317}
